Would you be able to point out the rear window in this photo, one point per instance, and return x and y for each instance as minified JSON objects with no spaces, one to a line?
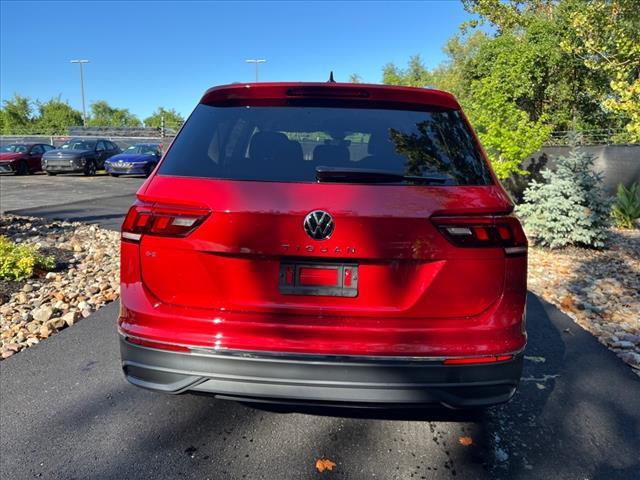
{"x":286,"y":144}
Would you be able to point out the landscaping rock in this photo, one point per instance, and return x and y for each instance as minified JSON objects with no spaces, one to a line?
{"x":598,"y":289}
{"x":42,"y":314}
{"x":56,"y":300}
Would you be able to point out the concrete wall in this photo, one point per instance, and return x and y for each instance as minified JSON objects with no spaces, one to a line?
{"x":617,"y":163}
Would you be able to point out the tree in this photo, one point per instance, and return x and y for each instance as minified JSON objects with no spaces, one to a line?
{"x":355,"y":78}
{"x":606,"y":37}
{"x":103,"y":115}
{"x":569,"y":207}
{"x":510,"y":14}
{"x":16,"y":115}
{"x":55,"y":117}
{"x":519,"y":87}
{"x":452,"y":75}
{"x":415,"y":75}
{"x":172,"y":119}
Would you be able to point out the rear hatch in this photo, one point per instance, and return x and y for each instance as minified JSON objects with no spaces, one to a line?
{"x":235,"y":217}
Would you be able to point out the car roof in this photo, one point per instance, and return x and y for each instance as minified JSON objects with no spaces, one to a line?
{"x":282,"y":93}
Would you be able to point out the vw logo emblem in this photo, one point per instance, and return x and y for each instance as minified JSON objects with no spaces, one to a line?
{"x":318,"y":225}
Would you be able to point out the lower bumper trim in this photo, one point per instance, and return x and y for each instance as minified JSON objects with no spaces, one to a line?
{"x":284,"y":379}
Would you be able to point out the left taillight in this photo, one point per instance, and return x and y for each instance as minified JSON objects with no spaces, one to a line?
{"x":161,"y":220}
{"x":484,"y":231}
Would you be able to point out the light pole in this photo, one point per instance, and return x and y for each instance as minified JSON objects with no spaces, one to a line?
{"x":257,"y":63}
{"x":84,"y":111}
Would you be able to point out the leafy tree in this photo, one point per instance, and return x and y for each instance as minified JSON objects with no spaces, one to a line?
{"x":172,"y":119}
{"x":55,"y":117}
{"x":16,"y":115}
{"x":415,"y":75}
{"x":103,"y":115}
{"x":510,"y":14}
{"x":605,"y":35}
{"x":452,"y":75}
{"x":355,"y":78}
{"x":518,"y":87}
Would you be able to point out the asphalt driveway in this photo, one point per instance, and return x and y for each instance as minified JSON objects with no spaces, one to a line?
{"x":67,"y":412}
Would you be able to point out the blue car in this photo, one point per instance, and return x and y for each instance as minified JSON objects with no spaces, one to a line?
{"x":138,"y":159}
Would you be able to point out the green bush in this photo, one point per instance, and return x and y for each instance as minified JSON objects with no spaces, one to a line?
{"x":569,"y":207}
{"x":18,"y":262}
{"x":626,"y":208}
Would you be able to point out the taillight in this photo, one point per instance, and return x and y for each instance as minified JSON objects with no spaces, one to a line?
{"x":483,"y":231}
{"x":161,"y":220}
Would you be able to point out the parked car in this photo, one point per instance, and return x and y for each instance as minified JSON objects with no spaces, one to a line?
{"x":378,"y":264}
{"x":138,"y":159}
{"x":85,"y":155}
{"x":22,"y":158}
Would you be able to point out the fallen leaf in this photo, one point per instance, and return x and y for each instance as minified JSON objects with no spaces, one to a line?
{"x":465,"y":441}
{"x":323,"y":464}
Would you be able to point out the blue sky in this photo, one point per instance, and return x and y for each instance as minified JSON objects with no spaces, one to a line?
{"x":149,"y":54}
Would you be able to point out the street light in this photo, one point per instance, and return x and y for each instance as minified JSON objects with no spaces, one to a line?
{"x":84,"y":112}
{"x":256,"y":62}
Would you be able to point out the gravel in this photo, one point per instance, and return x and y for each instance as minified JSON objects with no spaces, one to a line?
{"x":598,"y":289}
{"x":86,"y":278}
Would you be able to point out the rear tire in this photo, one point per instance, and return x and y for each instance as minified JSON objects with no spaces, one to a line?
{"x":22,"y":169}
{"x":90,"y":168}
{"x":51,"y":174}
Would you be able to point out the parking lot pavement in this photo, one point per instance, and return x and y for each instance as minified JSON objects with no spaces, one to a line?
{"x":100,"y":199}
{"x":67,"y":412}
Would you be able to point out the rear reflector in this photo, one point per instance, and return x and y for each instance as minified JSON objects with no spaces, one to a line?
{"x":159,"y":345}
{"x":161,"y":220}
{"x":477,"y":360}
{"x":483,"y":231}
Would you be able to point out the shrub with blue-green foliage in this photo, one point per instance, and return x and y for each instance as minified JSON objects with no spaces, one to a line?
{"x":569,"y":207}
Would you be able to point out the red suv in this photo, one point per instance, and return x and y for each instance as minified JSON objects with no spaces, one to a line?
{"x":330,"y":243}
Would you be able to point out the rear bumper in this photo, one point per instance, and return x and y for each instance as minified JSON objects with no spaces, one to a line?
{"x":286,"y":378}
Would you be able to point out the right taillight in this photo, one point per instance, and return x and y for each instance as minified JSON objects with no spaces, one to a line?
{"x":483,"y":231}
{"x":161,"y":220}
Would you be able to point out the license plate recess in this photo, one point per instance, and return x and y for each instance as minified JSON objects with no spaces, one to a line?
{"x":319,"y":278}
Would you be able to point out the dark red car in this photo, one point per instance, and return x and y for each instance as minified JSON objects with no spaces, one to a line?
{"x":331,"y":243}
{"x":22,"y":158}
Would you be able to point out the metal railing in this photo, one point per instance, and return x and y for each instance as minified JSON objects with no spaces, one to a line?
{"x":566,"y":138}
{"x":57,"y":140}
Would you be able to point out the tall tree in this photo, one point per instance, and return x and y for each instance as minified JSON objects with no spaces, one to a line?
{"x":55,"y":117}
{"x":16,"y":115}
{"x":172,"y":119}
{"x":415,"y":75}
{"x":605,"y":36}
{"x":104,"y":115}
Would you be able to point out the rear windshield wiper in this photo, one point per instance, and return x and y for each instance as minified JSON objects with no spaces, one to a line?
{"x":362,"y":175}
